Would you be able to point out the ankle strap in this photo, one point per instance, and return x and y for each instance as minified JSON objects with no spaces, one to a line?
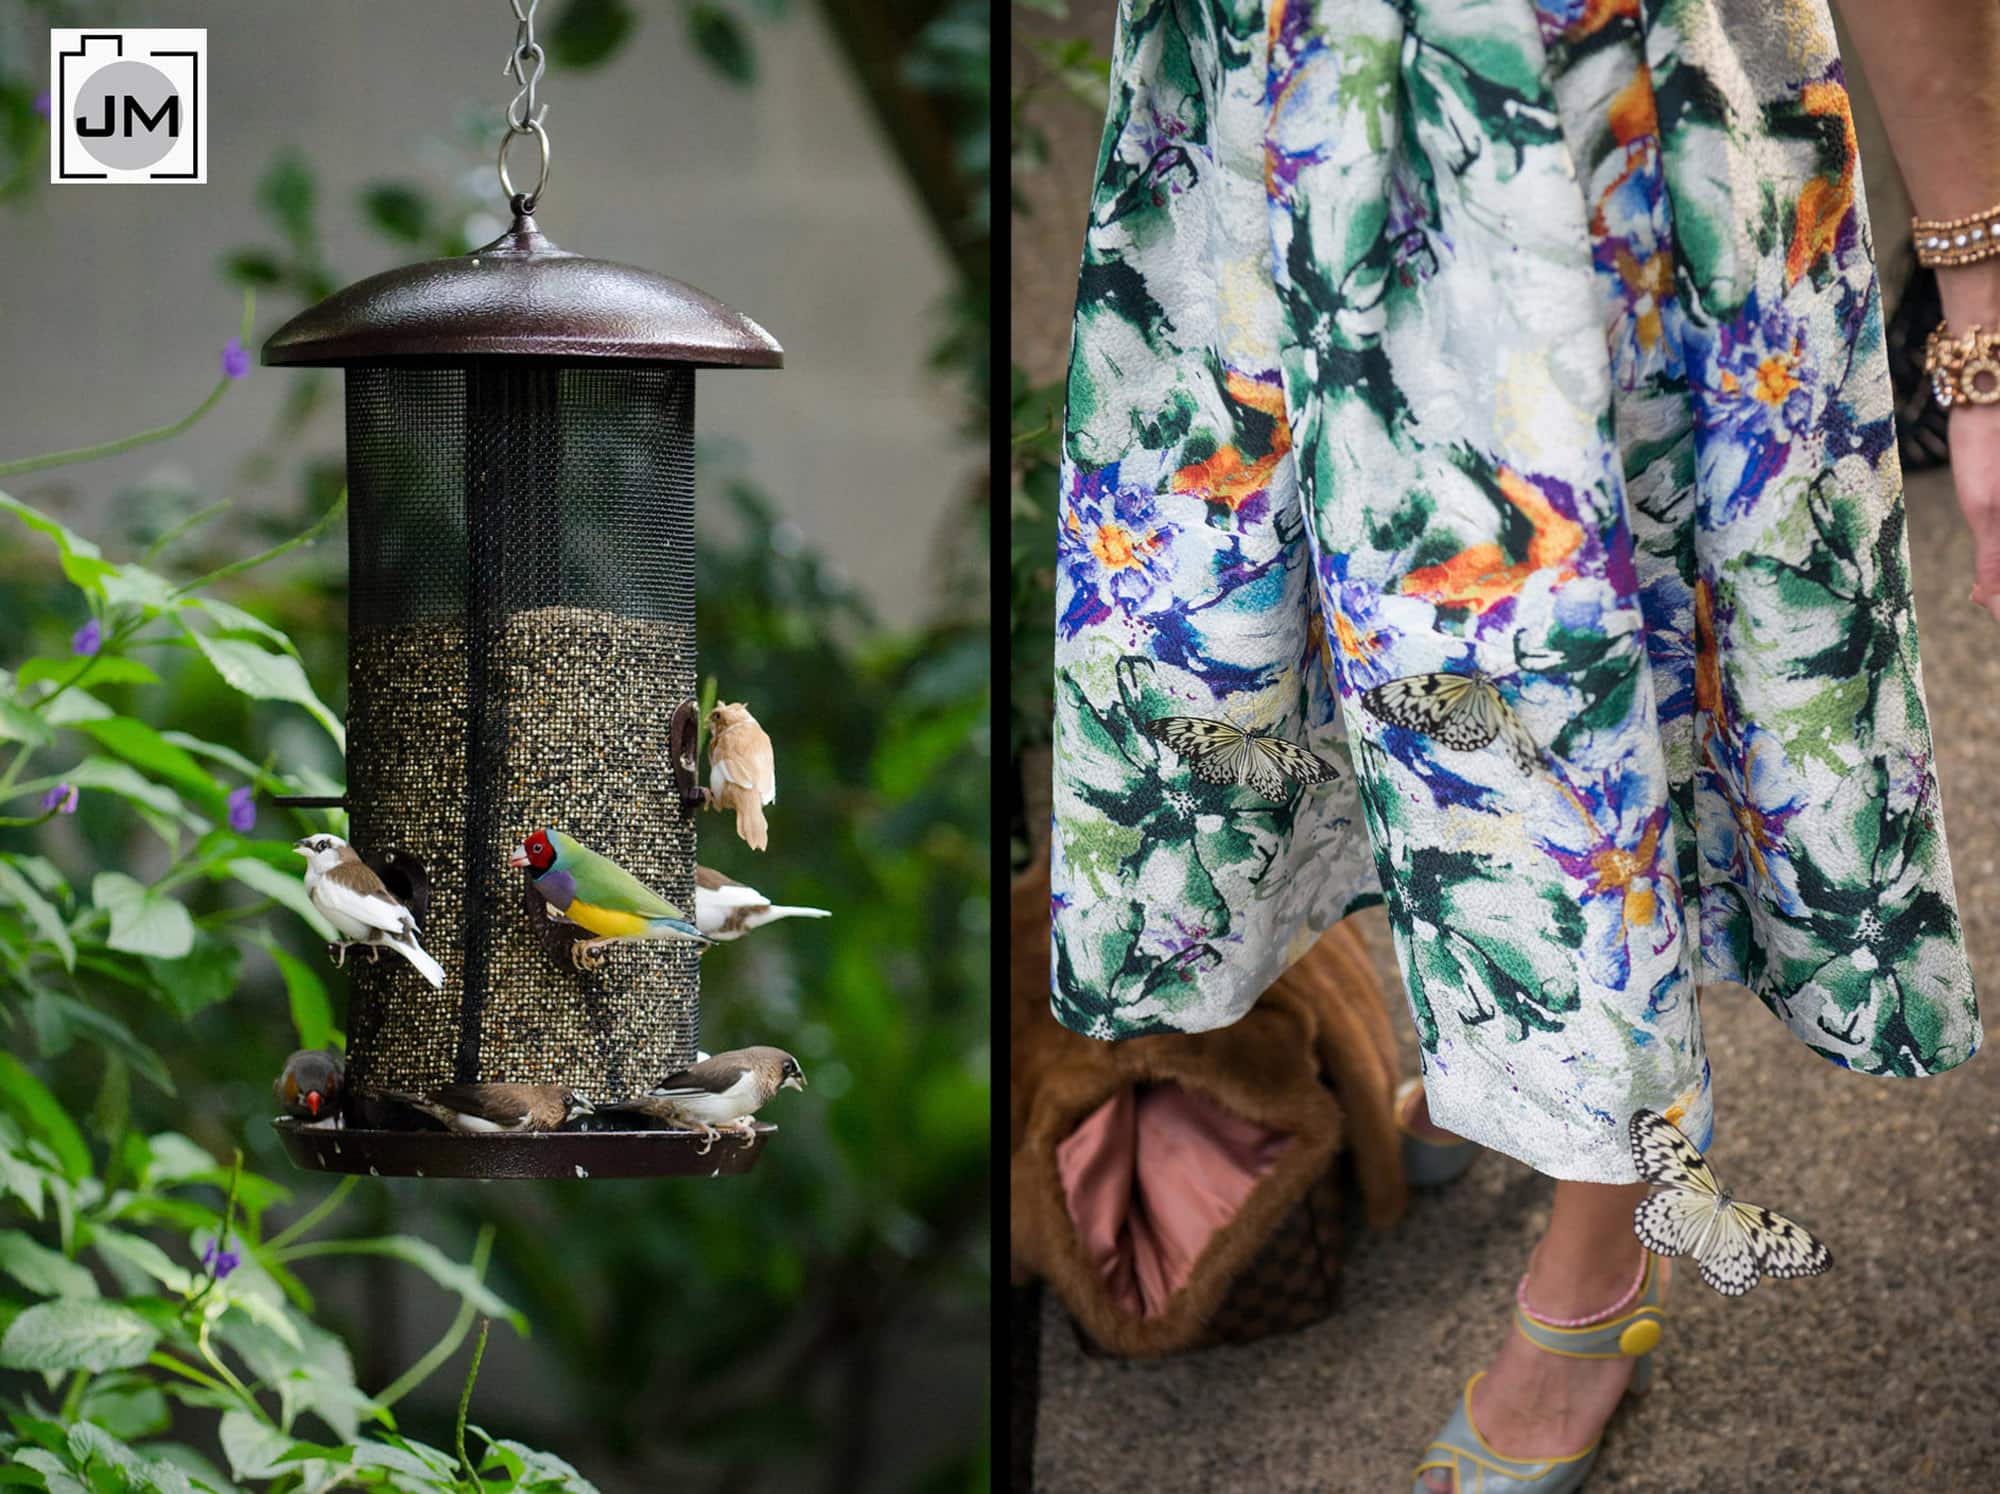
{"x":1626,"y":1336}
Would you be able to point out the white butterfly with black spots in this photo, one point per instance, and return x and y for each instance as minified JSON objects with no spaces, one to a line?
{"x":1223,"y":752}
{"x":1734,"y":1244}
{"x":1465,"y":711}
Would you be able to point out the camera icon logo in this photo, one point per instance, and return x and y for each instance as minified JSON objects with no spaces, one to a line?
{"x":127,"y":106}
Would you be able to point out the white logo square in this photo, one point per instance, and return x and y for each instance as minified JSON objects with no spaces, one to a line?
{"x":128,"y":105}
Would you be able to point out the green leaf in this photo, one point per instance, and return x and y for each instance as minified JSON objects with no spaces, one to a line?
{"x":55,"y":1472}
{"x":54,"y":1007}
{"x":82,"y":562}
{"x":145,"y":748}
{"x":77,"y":1334}
{"x":143,"y":921}
{"x":312,"y":1013}
{"x":172,"y":1158}
{"x":103,"y":669}
{"x":133,"y":585}
{"x":284,"y":887}
{"x":19,"y":724}
{"x":287,"y":192}
{"x":231,"y":619}
{"x":120,"y":779}
{"x":720,"y":38}
{"x":427,"y":1258}
{"x":587,"y":32}
{"x":16,"y":889}
{"x":262,"y":675}
{"x":254,"y":267}
{"x":45,"y":1272}
{"x":398,"y":210}
{"x":127,"y":1408}
{"x":138,"y":1253}
{"x":202,"y":978}
{"x":43,"y":1115}
{"x":137,"y":1473}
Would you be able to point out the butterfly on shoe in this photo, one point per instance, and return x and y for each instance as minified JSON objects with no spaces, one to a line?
{"x":1463,"y":711}
{"x":1734,"y":1244}
{"x":1223,"y":752}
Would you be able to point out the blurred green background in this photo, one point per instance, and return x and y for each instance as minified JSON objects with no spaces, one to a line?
{"x":820,"y":1324}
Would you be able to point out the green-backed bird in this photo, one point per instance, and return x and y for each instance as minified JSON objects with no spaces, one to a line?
{"x":598,"y":894}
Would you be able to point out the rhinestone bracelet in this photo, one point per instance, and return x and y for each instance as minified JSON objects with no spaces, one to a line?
{"x":1956,"y":241}
{"x":1963,"y":369}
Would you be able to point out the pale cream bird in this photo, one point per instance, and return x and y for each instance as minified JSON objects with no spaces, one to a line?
{"x":361,"y":909}
{"x":742,"y":774}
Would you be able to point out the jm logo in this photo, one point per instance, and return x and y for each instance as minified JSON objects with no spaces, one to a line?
{"x":127,"y":106}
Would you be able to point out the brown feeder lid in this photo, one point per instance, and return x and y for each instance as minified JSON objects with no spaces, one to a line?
{"x":521,"y":295}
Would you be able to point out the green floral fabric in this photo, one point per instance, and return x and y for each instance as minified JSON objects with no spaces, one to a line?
{"x":1542,"y":339}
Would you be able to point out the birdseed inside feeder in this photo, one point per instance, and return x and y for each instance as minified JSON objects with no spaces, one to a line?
{"x":521,"y":654}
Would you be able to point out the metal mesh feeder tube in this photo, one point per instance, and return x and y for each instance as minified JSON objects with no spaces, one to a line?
{"x":521,"y":655}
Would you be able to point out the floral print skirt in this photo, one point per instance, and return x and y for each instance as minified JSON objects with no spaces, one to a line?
{"x":1490,"y":400}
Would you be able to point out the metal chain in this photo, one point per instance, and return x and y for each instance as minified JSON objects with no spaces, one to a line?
{"x":525,"y":64}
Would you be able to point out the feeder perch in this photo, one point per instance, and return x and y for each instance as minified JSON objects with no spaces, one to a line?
{"x":521,"y":648}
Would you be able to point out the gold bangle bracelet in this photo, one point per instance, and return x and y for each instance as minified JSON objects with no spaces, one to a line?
{"x":1964,"y":369}
{"x":1956,"y":241}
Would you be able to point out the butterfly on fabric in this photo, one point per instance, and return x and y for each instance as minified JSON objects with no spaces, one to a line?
{"x":1463,"y":711}
{"x":1734,"y":1244}
{"x":1223,"y":752}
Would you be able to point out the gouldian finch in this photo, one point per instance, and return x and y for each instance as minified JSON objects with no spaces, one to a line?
{"x":726,"y":909}
{"x":741,"y":772}
{"x":309,"y":1088}
{"x":718,"y":1094}
{"x":352,"y":898}
{"x":599,"y":894}
{"x":478,"y":1109}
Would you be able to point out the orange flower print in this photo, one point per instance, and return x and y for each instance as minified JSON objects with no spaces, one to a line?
{"x":1229,"y":477}
{"x":1480,"y":576}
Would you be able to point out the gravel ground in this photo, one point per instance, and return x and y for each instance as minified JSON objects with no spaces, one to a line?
{"x":1869,"y":1378}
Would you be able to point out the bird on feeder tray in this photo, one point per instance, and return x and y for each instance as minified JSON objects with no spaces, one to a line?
{"x":718,"y":1094}
{"x":311,"y":1084}
{"x":480,"y":1109}
{"x":742,"y":774}
{"x":598,"y":894}
{"x":725,"y":909}
{"x":354,"y":900}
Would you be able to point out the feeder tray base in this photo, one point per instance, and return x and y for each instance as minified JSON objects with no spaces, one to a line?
{"x":533,"y":1154}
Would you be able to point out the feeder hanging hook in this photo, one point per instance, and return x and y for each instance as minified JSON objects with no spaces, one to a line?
{"x":525,"y":64}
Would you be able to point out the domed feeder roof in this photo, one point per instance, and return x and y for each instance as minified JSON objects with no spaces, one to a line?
{"x":521,"y":295}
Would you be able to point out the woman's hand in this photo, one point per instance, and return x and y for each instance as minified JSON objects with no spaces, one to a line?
{"x":1971,"y":297}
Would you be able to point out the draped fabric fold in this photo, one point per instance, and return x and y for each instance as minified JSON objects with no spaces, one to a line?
{"x":1537,"y":339}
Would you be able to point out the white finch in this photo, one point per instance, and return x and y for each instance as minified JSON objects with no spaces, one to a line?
{"x":742,"y":774}
{"x":719,"y":1094}
{"x":478,"y":1109}
{"x":352,"y":898}
{"x":726,"y":909}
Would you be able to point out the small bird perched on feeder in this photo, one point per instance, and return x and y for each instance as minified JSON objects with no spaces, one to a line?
{"x":598,"y":894}
{"x":725,"y":909}
{"x":310,"y":1085}
{"x":480,"y":1109}
{"x":719,"y":1094}
{"x":742,"y":774}
{"x":354,"y":900}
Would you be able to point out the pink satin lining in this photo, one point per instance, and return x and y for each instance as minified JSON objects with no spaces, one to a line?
{"x":1150,"y":1176}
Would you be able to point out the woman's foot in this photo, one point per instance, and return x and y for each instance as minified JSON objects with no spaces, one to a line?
{"x":1532,"y":1404}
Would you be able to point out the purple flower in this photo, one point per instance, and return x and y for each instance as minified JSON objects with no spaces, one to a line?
{"x":220,"y":1262}
{"x":88,"y":638}
{"x":235,"y":362}
{"x":61,"y":798}
{"x":42,"y":103}
{"x":242,"y":810}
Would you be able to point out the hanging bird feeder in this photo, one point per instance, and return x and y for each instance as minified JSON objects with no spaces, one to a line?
{"x":521,"y":654}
